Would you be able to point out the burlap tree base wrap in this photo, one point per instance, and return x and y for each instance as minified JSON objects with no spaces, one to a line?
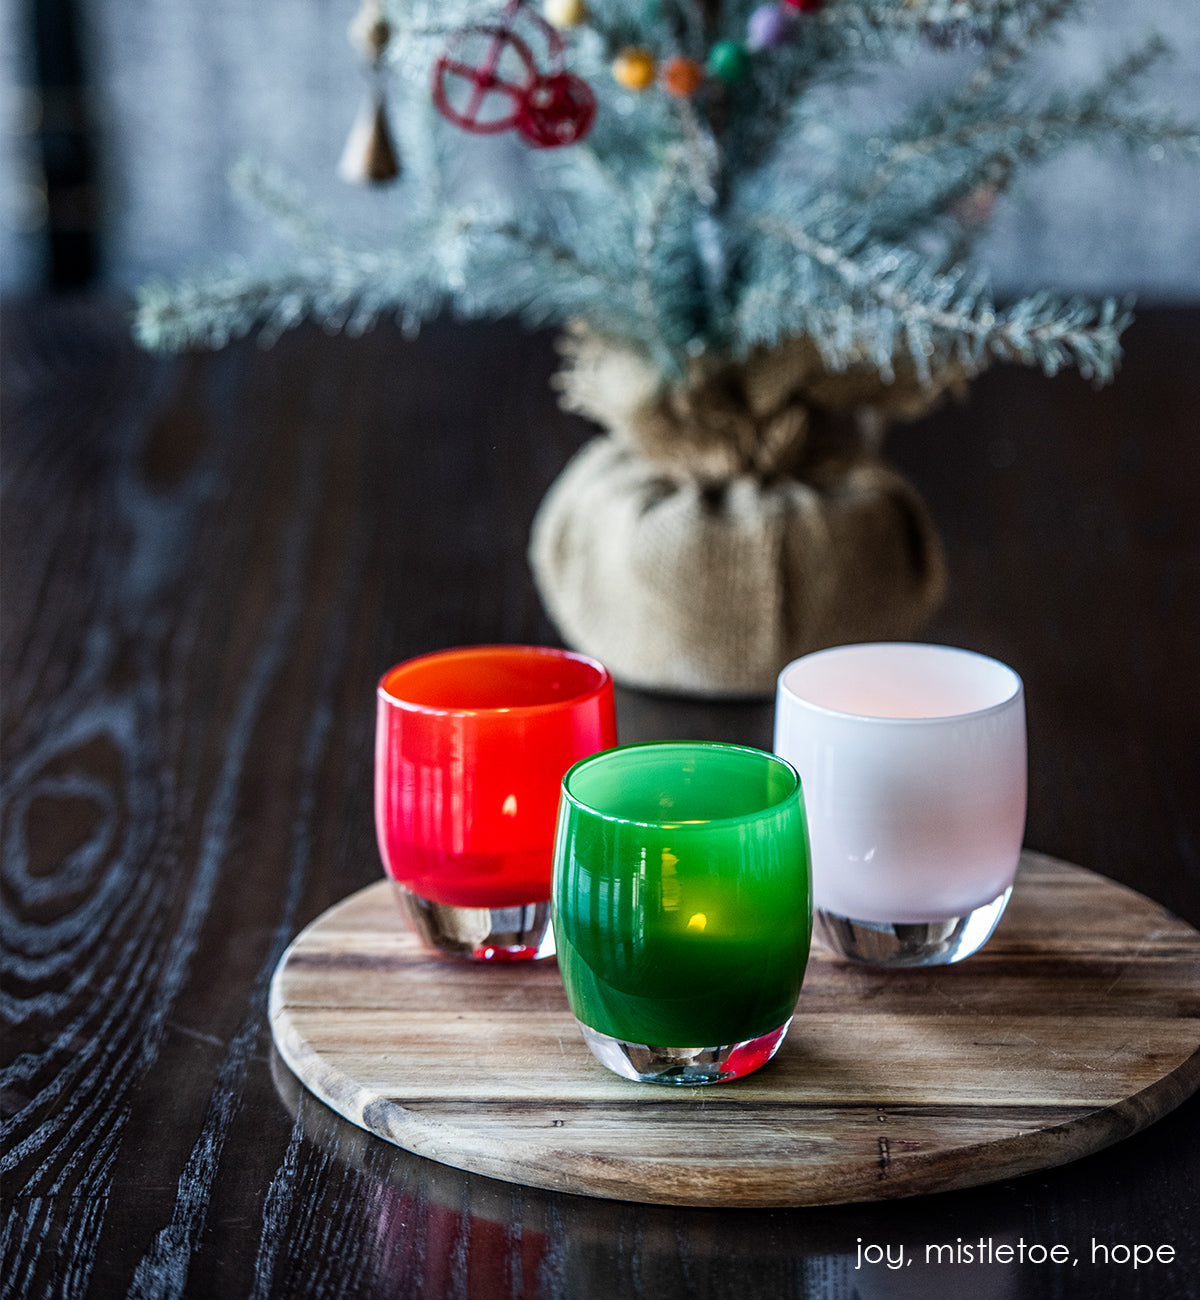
{"x":722,"y":528}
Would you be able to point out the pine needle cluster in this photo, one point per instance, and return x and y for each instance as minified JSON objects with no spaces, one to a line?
{"x":741,"y":216}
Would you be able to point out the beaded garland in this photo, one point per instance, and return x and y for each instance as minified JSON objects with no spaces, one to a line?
{"x":728,"y":61}
{"x":488,"y":80}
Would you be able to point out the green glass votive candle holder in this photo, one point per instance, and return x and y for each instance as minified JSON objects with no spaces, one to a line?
{"x":682,"y":907}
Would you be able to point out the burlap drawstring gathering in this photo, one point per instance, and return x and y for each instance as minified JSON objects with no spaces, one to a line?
{"x":723,"y":527}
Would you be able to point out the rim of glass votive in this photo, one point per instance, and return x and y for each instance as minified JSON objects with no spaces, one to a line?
{"x":617,"y":752}
{"x":1013,"y":678}
{"x":599,"y":680}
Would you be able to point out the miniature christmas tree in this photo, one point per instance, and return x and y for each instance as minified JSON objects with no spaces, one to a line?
{"x":751,"y":279}
{"x":716,"y":203}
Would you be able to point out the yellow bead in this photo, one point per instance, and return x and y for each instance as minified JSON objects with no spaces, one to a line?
{"x":634,"y":68}
{"x":565,"y":13}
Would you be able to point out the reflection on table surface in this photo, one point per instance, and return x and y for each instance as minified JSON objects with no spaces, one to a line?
{"x":462,"y":1232}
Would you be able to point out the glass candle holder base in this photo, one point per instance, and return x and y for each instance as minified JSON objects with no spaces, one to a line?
{"x":921,"y":943}
{"x":520,"y":933}
{"x":683,"y":1066}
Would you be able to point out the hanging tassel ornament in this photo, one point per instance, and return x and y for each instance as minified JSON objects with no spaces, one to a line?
{"x":370,"y":157}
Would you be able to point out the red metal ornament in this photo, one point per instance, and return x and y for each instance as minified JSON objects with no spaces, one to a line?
{"x":481,"y":82}
{"x":488,"y":81}
{"x":558,"y":109}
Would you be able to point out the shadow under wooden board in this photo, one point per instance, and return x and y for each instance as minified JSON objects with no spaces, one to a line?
{"x":1076,"y":1026}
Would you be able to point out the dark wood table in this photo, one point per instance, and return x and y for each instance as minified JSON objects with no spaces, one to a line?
{"x":207,"y":563}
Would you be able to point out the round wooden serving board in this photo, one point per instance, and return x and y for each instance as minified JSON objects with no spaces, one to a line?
{"x":1077,"y":1025}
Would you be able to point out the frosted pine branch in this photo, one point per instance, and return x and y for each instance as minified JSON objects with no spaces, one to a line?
{"x":875,"y":25}
{"x":935,"y":317}
{"x":1011,"y":51}
{"x":941,"y":155}
{"x":217,"y":309}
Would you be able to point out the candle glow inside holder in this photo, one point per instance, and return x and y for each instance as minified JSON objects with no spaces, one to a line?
{"x":471,"y":746}
{"x":682,"y":907}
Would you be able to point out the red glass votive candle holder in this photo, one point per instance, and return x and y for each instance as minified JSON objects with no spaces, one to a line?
{"x":470,"y":750}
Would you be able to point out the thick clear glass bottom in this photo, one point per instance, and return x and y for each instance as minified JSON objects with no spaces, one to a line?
{"x":922,"y":943}
{"x":683,"y":1066}
{"x":479,"y":933}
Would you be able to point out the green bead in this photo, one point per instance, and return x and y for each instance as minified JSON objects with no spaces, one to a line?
{"x":728,"y":60}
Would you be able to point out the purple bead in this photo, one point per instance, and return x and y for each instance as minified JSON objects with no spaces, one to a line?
{"x":769,"y":25}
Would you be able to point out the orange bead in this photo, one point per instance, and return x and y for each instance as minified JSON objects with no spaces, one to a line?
{"x":682,"y":77}
{"x":634,"y":68}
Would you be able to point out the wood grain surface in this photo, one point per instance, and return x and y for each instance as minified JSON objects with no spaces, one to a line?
{"x":208,"y":561}
{"x":1077,"y":1025}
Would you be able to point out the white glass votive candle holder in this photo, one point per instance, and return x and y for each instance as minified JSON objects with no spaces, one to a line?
{"x":913,"y":765}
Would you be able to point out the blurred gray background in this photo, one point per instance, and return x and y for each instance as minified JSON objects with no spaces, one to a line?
{"x":121,"y":119}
